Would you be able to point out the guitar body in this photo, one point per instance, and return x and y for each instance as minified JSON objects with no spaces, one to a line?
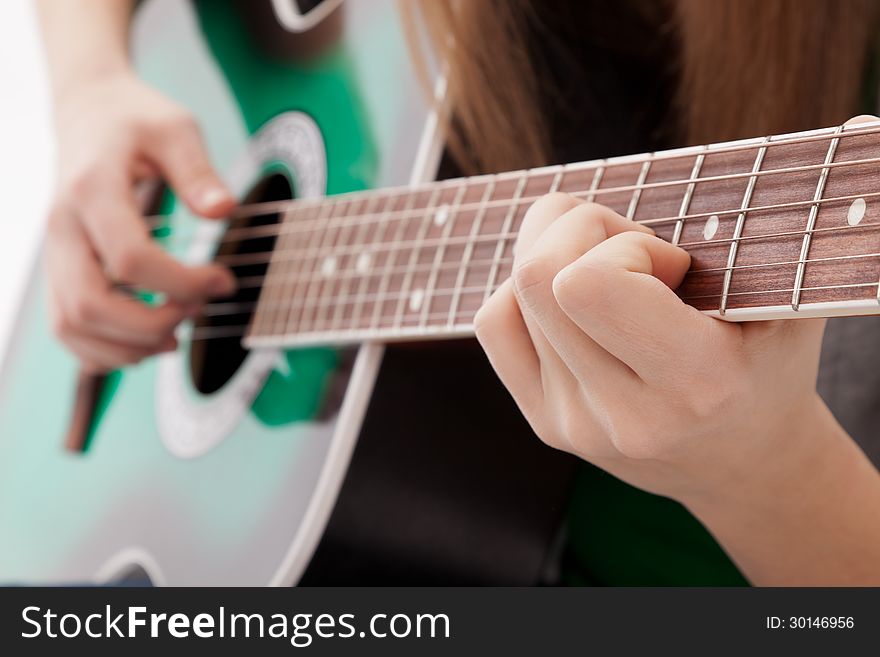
{"x":234,"y":485}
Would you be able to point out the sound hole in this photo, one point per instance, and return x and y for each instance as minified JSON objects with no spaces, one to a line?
{"x":214,"y":360}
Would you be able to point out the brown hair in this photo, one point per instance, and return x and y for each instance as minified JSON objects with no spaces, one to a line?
{"x":744,"y":68}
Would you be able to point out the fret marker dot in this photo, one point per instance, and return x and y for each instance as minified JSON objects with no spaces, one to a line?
{"x":856,"y":211}
{"x":362,"y":265}
{"x":416,"y":299}
{"x":711,"y":227}
{"x":328,"y":267}
{"x":442,"y":215}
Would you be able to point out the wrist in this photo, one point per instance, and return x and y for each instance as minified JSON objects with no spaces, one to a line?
{"x":807,"y":516}
{"x":68,"y":84}
{"x":808,"y":445}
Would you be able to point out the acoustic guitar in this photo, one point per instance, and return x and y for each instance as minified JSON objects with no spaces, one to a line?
{"x":232,"y":459}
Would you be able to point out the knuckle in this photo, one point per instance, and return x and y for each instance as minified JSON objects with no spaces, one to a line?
{"x":639,"y":447}
{"x":489,"y":317}
{"x":712,"y":400}
{"x":533,"y":274}
{"x":555,"y":201}
{"x":579,"y":284}
{"x":83,"y":311}
{"x":631,"y":239}
{"x":167,"y":126}
{"x":592,"y":211}
{"x":177,"y":122}
{"x":634,"y":441}
{"x":484,"y":321}
{"x":125,"y":263}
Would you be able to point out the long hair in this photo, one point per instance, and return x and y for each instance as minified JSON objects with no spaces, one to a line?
{"x":743,"y":68}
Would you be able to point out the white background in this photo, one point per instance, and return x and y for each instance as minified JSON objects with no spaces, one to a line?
{"x":26,"y":153}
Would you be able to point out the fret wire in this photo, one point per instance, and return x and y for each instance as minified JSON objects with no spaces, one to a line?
{"x":390,"y":258}
{"x":380,"y":234}
{"x":837,"y":286}
{"x":637,"y":192}
{"x":352,"y":299}
{"x":414,"y":255}
{"x":557,"y":179}
{"x":811,"y":223}
{"x":313,"y":289}
{"x":341,"y":237}
{"x":740,"y":222}
{"x":505,"y":228}
{"x":359,"y":242}
{"x":440,"y":253}
{"x":594,"y":186}
{"x":301,"y":264}
{"x":320,"y":215}
{"x":284,"y":281}
{"x":764,"y":265}
{"x":469,"y":248}
{"x":261,"y":322}
{"x":688,"y":194}
{"x":328,"y":278}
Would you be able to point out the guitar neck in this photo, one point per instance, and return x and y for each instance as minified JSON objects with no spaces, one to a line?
{"x":782,"y":226}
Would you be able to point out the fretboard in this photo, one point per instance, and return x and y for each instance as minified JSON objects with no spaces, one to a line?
{"x":782,"y":226}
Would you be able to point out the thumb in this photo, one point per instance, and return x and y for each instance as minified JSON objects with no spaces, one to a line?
{"x":183,"y":161}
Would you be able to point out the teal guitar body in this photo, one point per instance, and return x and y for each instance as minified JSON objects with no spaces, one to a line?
{"x":230,"y":481}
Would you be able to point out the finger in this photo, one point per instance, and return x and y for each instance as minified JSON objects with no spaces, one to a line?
{"x":104,"y":355}
{"x":862,"y":118}
{"x":568,"y":238}
{"x":539,"y":216}
{"x":501,"y":331}
{"x":620,"y":294}
{"x":181,"y":157}
{"x":120,"y":237}
{"x":89,"y":305}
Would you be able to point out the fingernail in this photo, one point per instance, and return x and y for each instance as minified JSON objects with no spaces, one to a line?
{"x":213,"y":196}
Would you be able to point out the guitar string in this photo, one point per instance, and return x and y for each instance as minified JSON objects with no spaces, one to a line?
{"x":215,"y":332}
{"x":335,"y":252}
{"x":250,"y":282}
{"x":298,"y":252}
{"x":257,"y":281}
{"x":295,"y":227}
{"x":275,"y":207}
{"x":222,"y":308}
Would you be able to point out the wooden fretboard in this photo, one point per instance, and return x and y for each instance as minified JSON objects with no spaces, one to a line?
{"x":781,"y":226}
